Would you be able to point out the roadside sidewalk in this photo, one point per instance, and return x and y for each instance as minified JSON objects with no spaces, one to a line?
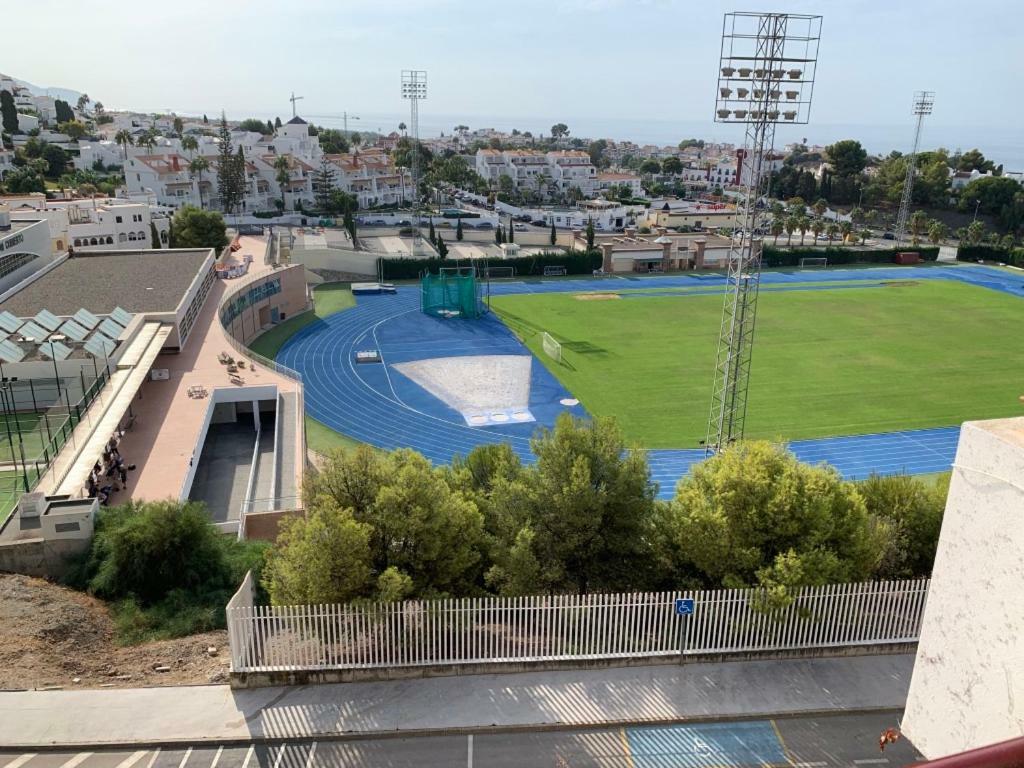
{"x":193,"y":714}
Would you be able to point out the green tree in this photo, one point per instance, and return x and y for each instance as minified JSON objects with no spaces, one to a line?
{"x":196,"y":228}
{"x":254,"y":125}
{"x":596,"y":151}
{"x":83,"y":102}
{"x":323,"y":183}
{"x":579,"y":519}
{"x":832,"y":232}
{"x":777,"y":228}
{"x":590,"y":234}
{"x":755,"y":515}
{"x":650,"y":167}
{"x":559,"y":131}
{"x":9,"y":112}
{"x":63,"y":111}
{"x":349,"y":223}
{"x":499,"y":234}
{"x":913,"y":509}
{"x":847,"y":157}
{"x":323,"y":557}
{"x":341,"y":202}
{"x":179,"y":125}
{"x":23,"y":180}
{"x":147,"y":140}
{"x":281,"y":168}
{"x":672,"y":165}
{"x":227,"y":175}
{"x":974,"y":160}
{"x":975,"y":232}
{"x":918,"y":226}
{"x":554,"y":233}
{"x":458,"y":230}
{"x":196,"y":168}
{"x":431,"y":234}
{"x":277,"y":122}
{"x":511,"y":231}
{"x":792,"y":224}
{"x":803,"y":224}
{"x":190,"y":145}
{"x":820,"y":206}
{"x":992,"y":194}
{"x":442,"y":249}
{"x":125,"y":139}
{"x":817,"y":227}
{"x":154,"y":235}
{"x":73,"y":129}
{"x":56,"y":160}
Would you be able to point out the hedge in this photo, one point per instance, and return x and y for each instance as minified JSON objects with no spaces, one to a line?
{"x":1013,"y":256}
{"x":575,"y":263}
{"x":779,"y":257}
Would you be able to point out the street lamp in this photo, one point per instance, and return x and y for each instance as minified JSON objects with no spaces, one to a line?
{"x":977,"y":204}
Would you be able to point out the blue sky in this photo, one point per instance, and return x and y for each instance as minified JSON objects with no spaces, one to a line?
{"x":549,"y":60}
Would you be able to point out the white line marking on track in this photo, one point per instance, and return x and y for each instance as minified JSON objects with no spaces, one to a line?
{"x":280,"y":754}
{"x":871,"y":761}
{"x":248,"y":755}
{"x":156,"y":754}
{"x":81,"y":757}
{"x":131,"y":760}
{"x":184,"y":759}
{"x":21,"y":760}
{"x":469,"y":751}
{"x":815,"y":764}
{"x":216,"y":757}
{"x":309,"y":757}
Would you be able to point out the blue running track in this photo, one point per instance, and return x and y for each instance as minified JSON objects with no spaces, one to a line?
{"x":376,"y":404}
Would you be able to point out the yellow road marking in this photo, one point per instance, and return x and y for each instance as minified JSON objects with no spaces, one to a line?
{"x":782,"y":742}
{"x":625,"y":747}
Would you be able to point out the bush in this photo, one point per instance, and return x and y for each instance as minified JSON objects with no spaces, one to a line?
{"x":790,"y":257}
{"x":1013,"y":256}
{"x":195,"y":228}
{"x":575,"y":263}
{"x":168,"y":570}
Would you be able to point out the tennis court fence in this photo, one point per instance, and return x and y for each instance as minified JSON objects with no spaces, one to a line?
{"x":566,"y":627}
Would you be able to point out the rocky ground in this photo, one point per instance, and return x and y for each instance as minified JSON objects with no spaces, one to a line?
{"x":54,"y":636}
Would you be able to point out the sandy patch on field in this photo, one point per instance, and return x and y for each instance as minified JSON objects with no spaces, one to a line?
{"x":474,"y":383}
{"x":597,"y":296}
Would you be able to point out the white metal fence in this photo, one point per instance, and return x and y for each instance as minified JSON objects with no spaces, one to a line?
{"x":566,"y":627}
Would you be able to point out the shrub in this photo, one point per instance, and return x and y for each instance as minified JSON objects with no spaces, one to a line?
{"x":1013,"y":256}
{"x":790,"y":257}
{"x":575,"y":263}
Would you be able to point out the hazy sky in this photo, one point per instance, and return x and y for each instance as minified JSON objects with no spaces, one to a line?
{"x":544,"y":59}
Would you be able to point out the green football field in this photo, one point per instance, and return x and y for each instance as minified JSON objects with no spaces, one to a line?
{"x":843,"y":361}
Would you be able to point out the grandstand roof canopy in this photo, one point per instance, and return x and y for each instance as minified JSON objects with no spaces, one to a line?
{"x":138,"y":281}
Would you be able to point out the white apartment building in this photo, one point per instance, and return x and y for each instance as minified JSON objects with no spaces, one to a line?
{"x":163,"y":175}
{"x":557,"y":171}
{"x":607,"y":180}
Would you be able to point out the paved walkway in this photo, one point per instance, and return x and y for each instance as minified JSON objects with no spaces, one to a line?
{"x":722,"y":690}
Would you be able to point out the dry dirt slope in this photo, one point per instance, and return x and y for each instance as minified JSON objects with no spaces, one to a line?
{"x":51,"y":635}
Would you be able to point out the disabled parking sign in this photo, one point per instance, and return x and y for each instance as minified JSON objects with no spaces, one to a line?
{"x":684,"y":606}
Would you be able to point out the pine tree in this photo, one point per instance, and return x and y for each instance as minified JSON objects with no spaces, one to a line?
{"x":499,"y":235}
{"x":206,"y":119}
{"x":9,"y":112}
{"x":238,"y":178}
{"x":432,"y":236}
{"x":323,"y":183}
{"x":458,"y":230}
{"x":154,"y":235}
{"x":590,"y":234}
{"x":226,"y":176}
{"x":554,"y":234}
{"x":442,"y":249}
{"x":277,"y":122}
{"x":270,"y":128}
{"x":170,"y":233}
{"x":511,"y":229}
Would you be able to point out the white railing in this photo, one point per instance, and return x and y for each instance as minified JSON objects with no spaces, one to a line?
{"x":568,"y":627}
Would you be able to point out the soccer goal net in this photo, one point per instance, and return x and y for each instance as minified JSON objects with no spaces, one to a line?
{"x":497,"y":273}
{"x":813,"y":261}
{"x":551,"y":347}
{"x":555,"y":271}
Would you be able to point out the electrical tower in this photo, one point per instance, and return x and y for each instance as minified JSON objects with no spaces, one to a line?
{"x":414,"y":88}
{"x":766,"y":76}
{"x":923,"y":103}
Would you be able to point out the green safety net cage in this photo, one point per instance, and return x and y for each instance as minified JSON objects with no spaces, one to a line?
{"x":451,"y":294}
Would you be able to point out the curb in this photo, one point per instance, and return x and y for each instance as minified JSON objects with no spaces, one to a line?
{"x":94,"y":746}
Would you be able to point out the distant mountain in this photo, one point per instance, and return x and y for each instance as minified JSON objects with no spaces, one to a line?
{"x":58,"y":93}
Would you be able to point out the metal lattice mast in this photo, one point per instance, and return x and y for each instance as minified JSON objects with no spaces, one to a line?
{"x":414,"y":88}
{"x":767,"y":69}
{"x":923,"y":102}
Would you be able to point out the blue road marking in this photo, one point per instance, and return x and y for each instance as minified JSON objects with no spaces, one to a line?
{"x":376,"y":404}
{"x":753,"y":744}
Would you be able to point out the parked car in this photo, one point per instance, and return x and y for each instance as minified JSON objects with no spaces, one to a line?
{"x":405,"y":223}
{"x":520,"y":227}
{"x":485,"y":225}
{"x":888,"y":236}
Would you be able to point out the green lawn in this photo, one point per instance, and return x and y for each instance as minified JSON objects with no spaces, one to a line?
{"x":827,"y":362}
{"x":328,"y":299}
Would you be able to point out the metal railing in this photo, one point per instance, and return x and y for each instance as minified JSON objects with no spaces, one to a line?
{"x":566,"y":627}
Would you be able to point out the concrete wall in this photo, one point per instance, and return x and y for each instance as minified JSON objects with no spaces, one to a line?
{"x":967,"y":689}
{"x":254,"y":319}
{"x":37,"y":557}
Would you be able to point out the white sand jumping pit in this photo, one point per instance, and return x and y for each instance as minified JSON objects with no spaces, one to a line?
{"x":486,"y":389}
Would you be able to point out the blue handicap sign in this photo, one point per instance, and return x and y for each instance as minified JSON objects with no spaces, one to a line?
{"x":684,"y":606}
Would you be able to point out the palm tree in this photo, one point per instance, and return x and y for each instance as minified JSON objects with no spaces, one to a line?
{"x":817,"y":226}
{"x":831,"y":232}
{"x":777,"y":228}
{"x":124,"y":138}
{"x":777,"y":209}
{"x":845,"y":229}
{"x":147,"y":140}
{"x":401,"y":127}
{"x":937,"y":232}
{"x":282,"y":176}
{"x":1008,"y":242}
{"x":856,"y":215}
{"x":803,"y":224}
{"x":864,"y":235}
{"x":179,"y":125}
{"x":196,"y":168}
{"x":918,"y":226}
{"x":820,"y":206}
{"x":190,"y":145}
{"x":791,"y":225}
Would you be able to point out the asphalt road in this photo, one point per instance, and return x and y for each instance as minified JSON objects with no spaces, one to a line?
{"x":850,"y":741}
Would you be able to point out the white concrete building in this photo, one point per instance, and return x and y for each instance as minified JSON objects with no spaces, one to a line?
{"x":969,"y":671}
{"x":610,"y":179}
{"x":25,"y":248}
{"x":94,"y":224}
{"x":537,"y":172}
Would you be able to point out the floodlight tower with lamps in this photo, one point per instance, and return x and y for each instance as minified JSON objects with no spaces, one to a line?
{"x":414,"y":88}
{"x":766,"y":75}
{"x":923,"y":103}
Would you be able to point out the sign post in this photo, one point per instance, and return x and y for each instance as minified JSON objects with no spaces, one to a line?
{"x":684,"y":609}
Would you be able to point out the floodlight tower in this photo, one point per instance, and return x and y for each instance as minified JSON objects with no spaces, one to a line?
{"x":766,"y":75}
{"x":414,"y":88}
{"x":923,"y":103}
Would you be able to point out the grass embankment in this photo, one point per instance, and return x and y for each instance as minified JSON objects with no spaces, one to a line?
{"x":329,"y":298}
{"x":906,"y":355}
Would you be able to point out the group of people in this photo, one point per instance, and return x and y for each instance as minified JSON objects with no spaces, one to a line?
{"x":111,"y":474}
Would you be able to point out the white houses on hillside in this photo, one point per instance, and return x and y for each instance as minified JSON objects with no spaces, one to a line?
{"x":543,"y":173}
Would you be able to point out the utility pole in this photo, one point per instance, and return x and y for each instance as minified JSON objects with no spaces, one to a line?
{"x":923,"y":102}
{"x":345,"y":116}
{"x":293,"y":99}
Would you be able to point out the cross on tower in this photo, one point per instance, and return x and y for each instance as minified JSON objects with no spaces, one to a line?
{"x":293,"y":99}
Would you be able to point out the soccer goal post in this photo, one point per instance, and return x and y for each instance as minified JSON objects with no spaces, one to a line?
{"x":813,"y":261}
{"x":551,"y":347}
{"x":497,"y":273}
